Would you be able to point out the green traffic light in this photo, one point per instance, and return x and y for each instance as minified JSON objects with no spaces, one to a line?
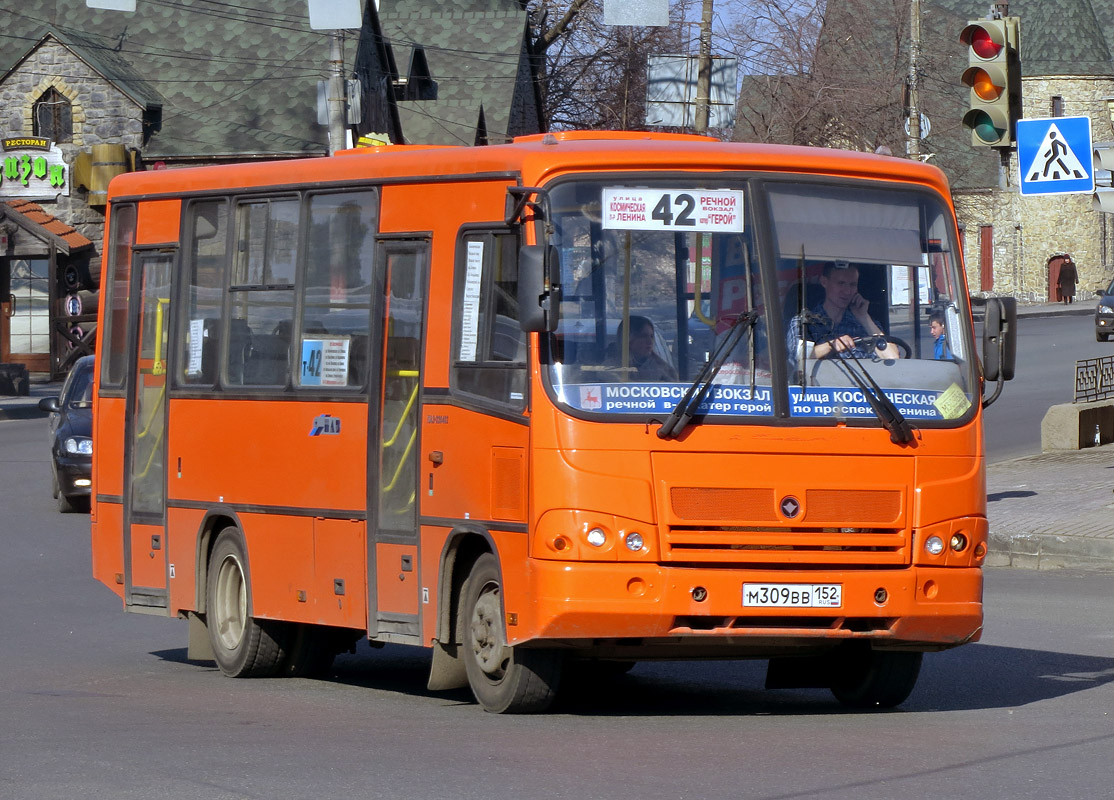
{"x":985,"y":129}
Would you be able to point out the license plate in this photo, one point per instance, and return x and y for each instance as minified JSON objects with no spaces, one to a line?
{"x":792,"y":595}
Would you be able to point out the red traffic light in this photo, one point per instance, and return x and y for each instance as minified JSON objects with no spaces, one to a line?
{"x":983,"y":45}
{"x":986,"y":42}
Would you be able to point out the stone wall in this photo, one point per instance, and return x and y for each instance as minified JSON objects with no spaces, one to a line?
{"x":1028,"y":231}
{"x":102,"y":114}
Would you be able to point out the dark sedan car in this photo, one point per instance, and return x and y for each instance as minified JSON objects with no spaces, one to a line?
{"x":1104,"y":314}
{"x":71,"y":437}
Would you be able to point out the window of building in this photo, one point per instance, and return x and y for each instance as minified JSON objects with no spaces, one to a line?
{"x":1057,"y":106}
{"x":53,"y":116}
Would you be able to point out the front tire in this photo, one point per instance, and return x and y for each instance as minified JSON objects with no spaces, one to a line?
{"x":1102,"y":337}
{"x":243,"y":646}
{"x":876,"y":679}
{"x":504,"y":679}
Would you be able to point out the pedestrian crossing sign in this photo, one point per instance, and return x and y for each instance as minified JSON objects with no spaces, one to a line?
{"x":1054,"y":156}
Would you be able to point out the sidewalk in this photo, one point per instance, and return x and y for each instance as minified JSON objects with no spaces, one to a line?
{"x":1053,"y":510}
{"x":28,"y":407}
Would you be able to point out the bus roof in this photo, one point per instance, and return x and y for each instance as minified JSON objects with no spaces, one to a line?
{"x":535,"y":159}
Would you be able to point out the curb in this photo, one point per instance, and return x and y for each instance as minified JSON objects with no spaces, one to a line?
{"x":1050,"y":551}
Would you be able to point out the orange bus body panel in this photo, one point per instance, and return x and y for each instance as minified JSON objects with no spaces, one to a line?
{"x":108,"y":546}
{"x":260,"y":452}
{"x":158,"y":222}
{"x":302,"y":501}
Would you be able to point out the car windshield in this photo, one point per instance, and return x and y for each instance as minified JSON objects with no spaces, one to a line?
{"x":79,"y":394}
{"x":665,"y":290}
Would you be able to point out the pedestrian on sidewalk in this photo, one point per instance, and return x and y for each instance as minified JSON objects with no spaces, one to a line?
{"x":1067,"y":280}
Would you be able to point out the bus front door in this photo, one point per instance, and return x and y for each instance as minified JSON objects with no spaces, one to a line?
{"x":394,"y":579}
{"x":145,"y":573}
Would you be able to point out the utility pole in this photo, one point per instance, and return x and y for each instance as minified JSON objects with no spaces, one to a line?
{"x":913,"y":145}
{"x":704,"y":70}
{"x":335,"y":94}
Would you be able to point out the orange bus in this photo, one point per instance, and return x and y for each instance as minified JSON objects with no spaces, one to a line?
{"x":567,"y":403}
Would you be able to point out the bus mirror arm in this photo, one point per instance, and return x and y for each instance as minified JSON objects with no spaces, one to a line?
{"x":539,"y":290}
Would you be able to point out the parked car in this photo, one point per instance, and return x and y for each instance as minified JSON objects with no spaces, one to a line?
{"x":71,"y":437}
{"x":1104,"y":314}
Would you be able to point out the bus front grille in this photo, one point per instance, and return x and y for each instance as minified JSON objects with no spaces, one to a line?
{"x":793,"y":546}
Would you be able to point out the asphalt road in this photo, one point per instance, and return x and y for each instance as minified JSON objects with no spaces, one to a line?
{"x":1047,"y":349}
{"x":98,"y":703}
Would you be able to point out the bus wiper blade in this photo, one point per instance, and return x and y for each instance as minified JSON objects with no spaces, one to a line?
{"x":686,"y":407}
{"x":892,"y":419}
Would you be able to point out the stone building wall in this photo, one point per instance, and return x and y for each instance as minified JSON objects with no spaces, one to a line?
{"x":101,"y":115}
{"x":1028,"y":231}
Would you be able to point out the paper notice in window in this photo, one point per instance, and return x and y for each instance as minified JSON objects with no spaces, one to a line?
{"x":952,"y":403}
{"x":197,"y":333}
{"x":325,"y":362}
{"x":470,"y":314}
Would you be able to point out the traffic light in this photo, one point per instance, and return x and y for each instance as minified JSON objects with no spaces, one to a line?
{"x":994,"y":77}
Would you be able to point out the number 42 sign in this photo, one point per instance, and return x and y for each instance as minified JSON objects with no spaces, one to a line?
{"x":705,"y":210}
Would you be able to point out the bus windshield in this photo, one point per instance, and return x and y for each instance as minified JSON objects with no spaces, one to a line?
{"x":801,"y":299}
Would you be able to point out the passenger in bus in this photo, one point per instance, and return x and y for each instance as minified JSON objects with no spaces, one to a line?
{"x":644,"y":363}
{"x":936,"y":327}
{"x":840,"y":318}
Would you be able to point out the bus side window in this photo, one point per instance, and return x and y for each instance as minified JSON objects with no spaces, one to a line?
{"x":206,"y":265}
{"x":489,"y":346}
{"x":262,"y":287}
{"x":336,"y":287}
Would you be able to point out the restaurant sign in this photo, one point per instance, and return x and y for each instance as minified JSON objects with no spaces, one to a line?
{"x":32,"y":167}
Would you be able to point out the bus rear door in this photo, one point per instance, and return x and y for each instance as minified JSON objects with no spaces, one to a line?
{"x":145,"y":571}
{"x":394,"y":580}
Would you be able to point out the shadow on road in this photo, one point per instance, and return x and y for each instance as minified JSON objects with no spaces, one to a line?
{"x":969,"y":678}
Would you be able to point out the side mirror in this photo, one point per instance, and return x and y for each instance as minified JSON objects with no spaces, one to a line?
{"x":50,"y":405}
{"x":539,"y":295}
{"x":999,"y":338}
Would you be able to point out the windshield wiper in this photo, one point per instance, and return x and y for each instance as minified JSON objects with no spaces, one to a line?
{"x":901,"y":432}
{"x":683,"y":412}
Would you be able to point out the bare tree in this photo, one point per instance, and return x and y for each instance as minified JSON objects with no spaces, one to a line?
{"x":594,"y":75}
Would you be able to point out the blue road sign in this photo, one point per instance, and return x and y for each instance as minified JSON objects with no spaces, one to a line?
{"x":1054,"y":156}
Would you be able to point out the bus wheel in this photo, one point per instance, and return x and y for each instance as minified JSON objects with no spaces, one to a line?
{"x":504,"y":679}
{"x":876,"y":679}
{"x":243,"y":647}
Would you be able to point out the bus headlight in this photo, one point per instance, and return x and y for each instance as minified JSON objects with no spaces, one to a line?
{"x":596,"y":537}
{"x":934,"y":545}
{"x":634,"y":541}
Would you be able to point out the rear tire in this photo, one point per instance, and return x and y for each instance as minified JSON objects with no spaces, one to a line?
{"x":504,"y":679}
{"x":243,"y":646}
{"x":876,"y":679}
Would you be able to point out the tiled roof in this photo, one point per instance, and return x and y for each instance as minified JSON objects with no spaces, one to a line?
{"x":31,"y":217}
{"x":231,"y":78}
{"x":474,"y":51}
{"x":241,"y":78}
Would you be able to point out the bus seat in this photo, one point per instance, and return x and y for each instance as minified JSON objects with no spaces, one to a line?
{"x":814,"y":296}
{"x":268,"y":361}
{"x":239,"y":343}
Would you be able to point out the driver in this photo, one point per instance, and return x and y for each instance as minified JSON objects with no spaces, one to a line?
{"x":841,"y":318}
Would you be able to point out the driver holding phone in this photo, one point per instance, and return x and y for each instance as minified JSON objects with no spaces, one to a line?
{"x":839,"y":320}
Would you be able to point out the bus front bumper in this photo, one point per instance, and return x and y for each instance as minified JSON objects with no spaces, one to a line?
{"x":914,"y":607}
